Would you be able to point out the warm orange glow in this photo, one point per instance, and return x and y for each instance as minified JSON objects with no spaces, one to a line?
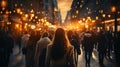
{"x":18,"y":10}
{"x":109,"y":16}
{"x":103,"y":15}
{"x":36,"y":17}
{"x":83,"y":19}
{"x":26,"y":15}
{"x":32,"y":15}
{"x":7,"y":12}
{"x":93,"y":21}
{"x":26,"y":24}
{"x":55,"y":9}
{"x":32,"y":11}
{"x":77,"y":11}
{"x":97,"y":17}
{"x":47,"y":23}
{"x":86,"y":26}
{"x":3,"y":4}
{"x":89,"y":18}
{"x":17,"y":25}
{"x":64,"y":6}
{"x":80,"y":22}
{"x":33,"y":26}
{"x":113,"y":9}
{"x":21,"y":12}
{"x":1,"y":12}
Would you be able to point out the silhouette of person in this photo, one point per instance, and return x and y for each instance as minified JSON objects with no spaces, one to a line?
{"x":30,"y":49}
{"x":101,"y":46}
{"x":60,"y":53}
{"x":6,"y":46}
{"x":88,"y":45}
{"x":40,"y":52}
{"x":74,"y":40}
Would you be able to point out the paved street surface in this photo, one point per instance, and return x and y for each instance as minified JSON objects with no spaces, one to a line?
{"x":94,"y":61}
{"x":18,"y":60}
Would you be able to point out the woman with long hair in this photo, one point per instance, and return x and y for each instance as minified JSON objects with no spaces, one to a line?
{"x":60,"y":53}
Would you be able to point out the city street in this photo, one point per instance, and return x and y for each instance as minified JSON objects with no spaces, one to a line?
{"x":34,"y":24}
{"x":18,"y":60}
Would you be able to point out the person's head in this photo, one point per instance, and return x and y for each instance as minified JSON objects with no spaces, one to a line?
{"x":60,"y":37}
{"x":33,"y":32}
{"x":69,"y":34}
{"x":45,"y":34}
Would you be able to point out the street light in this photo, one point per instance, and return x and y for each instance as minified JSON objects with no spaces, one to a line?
{"x":3,"y":4}
{"x":104,"y":20}
{"x":97,"y":17}
{"x":114,"y":10}
{"x":84,"y":23}
{"x":18,"y":10}
{"x":103,"y":15}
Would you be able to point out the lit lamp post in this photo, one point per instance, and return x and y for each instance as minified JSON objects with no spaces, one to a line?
{"x":116,"y":45}
{"x":113,"y":9}
{"x":103,"y":21}
{"x":3,"y":4}
{"x":5,"y":15}
{"x":84,"y":23}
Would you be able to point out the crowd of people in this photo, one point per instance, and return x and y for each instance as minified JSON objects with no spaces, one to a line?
{"x":59,"y":48}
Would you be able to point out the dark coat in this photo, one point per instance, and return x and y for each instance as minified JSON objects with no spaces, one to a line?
{"x":88,"y":42}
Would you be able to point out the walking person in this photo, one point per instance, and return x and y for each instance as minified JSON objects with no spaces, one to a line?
{"x":6,"y":48}
{"x":30,"y":49}
{"x":60,"y":53}
{"x":40,"y":52}
{"x":109,"y":44}
{"x":88,"y":45}
{"x":24,"y":41}
{"x":74,"y":40}
{"x":101,"y":47}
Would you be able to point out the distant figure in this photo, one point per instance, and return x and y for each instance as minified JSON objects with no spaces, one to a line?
{"x":117,"y":47}
{"x":40,"y":52}
{"x":74,"y":40}
{"x":101,"y":46}
{"x":109,"y":44}
{"x":6,"y":46}
{"x":60,"y":53}
{"x":88,"y":45}
{"x":24,"y":41}
{"x":30,"y":49}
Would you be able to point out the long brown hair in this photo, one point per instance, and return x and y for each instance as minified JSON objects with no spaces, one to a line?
{"x":59,"y":45}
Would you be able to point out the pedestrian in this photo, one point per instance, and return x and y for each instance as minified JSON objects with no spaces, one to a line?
{"x":109,"y":44}
{"x":30,"y":49}
{"x":60,"y":53}
{"x":40,"y":52}
{"x":24,"y":41}
{"x":74,"y":40}
{"x":88,"y":45}
{"x":6,"y":47}
{"x":101,"y":46}
{"x":117,"y":47}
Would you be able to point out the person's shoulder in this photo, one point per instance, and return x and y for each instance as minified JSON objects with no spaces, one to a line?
{"x":71,"y":47}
